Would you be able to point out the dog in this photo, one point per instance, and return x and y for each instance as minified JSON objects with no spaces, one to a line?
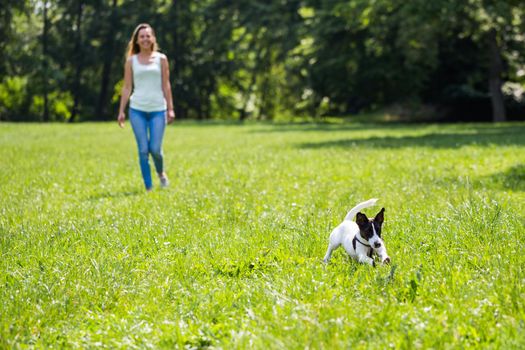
{"x":362,"y":238}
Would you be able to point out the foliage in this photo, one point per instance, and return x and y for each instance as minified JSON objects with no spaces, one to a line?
{"x":230,"y":256}
{"x":262,"y":59}
{"x":12,"y":93}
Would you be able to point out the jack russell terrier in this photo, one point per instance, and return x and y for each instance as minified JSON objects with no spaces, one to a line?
{"x":362,"y":238}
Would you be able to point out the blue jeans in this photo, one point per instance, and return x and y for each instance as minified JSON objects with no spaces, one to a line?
{"x":148,"y":128}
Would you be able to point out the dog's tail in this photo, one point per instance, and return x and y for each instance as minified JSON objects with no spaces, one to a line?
{"x":359,"y":207}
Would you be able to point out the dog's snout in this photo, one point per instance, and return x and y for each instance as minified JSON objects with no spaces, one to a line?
{"x":377,"y":244}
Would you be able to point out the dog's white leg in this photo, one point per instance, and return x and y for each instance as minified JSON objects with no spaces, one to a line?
{"x":381,"y":251}
{"x":328,"y":253}
{"x":363,"y":259}
{"x":362,"y":255}
{"x":334,"y":242}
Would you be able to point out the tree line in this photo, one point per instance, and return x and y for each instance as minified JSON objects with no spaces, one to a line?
{"x":267,"y":59}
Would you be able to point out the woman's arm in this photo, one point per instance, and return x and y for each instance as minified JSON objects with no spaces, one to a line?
{"x":166,"y":88}
{"x":125,"y":93}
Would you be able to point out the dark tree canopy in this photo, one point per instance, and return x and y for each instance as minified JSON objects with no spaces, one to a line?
{"x":63,"y":59}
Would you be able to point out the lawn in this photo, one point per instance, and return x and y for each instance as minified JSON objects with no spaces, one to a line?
{"x":230,"y":255}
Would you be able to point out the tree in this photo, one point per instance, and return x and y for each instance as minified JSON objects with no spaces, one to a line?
{"x":8,"y":10}
{"x":110,"y":28}
{"x":261,"y":59}
{"x":45,"y":76}
{"x":495,"y":24}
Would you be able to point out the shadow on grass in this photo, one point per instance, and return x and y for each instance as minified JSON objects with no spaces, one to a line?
{"x":113,"y":194}
{"x":511,"y":179}
{"x":451,"y":138}
{"x":331,"y":126}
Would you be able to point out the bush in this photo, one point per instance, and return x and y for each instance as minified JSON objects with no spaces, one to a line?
{"x":13,"y":94}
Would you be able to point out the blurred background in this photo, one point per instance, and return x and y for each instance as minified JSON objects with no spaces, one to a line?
{"x":438,"y":60}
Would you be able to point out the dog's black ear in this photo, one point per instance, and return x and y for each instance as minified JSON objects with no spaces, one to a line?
{"x":380,"y":217}
{"x":361,"y":219}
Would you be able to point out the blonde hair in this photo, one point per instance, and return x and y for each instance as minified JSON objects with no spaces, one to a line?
{"x":133,"y":46}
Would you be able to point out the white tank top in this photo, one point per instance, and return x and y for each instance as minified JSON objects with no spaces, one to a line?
{"x":147,"y":85}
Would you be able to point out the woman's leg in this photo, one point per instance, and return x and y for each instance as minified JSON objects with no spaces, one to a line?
{"x":139,"y":123}
{"x":157,"y":125}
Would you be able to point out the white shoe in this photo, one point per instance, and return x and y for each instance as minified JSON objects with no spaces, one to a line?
{"x":164,"y":182}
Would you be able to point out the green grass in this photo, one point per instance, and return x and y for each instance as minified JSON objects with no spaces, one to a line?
{"x":230,"y":256}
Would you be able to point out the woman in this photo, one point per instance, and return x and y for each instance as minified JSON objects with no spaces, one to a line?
{"x":147,"y":71}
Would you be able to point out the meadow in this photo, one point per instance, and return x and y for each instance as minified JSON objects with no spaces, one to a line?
{"x":230,"y":255}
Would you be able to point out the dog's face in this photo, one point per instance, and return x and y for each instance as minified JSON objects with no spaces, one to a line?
{"x":370,"y":229}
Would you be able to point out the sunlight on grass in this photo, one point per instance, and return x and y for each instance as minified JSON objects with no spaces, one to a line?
{"x":230,"y":256}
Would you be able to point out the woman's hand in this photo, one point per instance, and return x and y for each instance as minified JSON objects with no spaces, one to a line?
{"x":171,"y":116}
{"x":121,"y":118}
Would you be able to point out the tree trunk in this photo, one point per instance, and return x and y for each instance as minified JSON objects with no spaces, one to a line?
{"x":108,"y":60}
{"x":176,"y":62}
{"x":495,"y":82}
{"x":78,"y":62}
{"x":244,"y":113}
{"x":251,"y":87}
{"x":45,"y":116}
{"x":265,"y":109}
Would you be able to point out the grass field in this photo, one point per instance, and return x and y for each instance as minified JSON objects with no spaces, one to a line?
{"x":230,"y":256}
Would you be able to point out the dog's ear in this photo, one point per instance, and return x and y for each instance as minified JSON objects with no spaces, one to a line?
{"x":380,"y":217}
{"x":361,"y":219}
